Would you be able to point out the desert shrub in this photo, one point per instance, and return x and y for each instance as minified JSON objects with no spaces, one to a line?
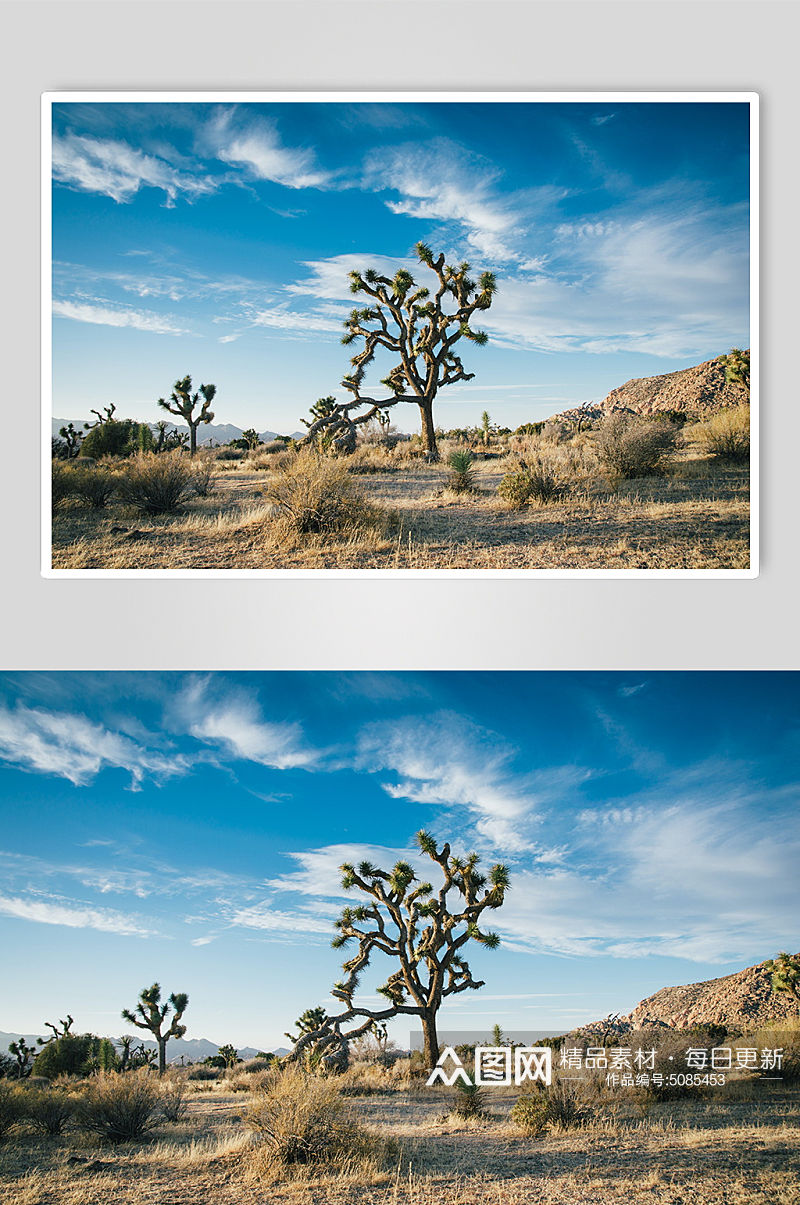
{"x":117,"y":438}
{"x":461,"y":478}
{"x":536,"y":479}
{"x":63,"y":478}
{"x":726,"y":434}
{"x":530,"y":1112}
{"x":71,"y":1054}
{"x":229,"y":453}
{"x":157,"y":485}
{"x":49,"y":1110}
{"x":199,"y":1072}
{"x":303,"y":1119}
{"x":173,"y":1102}
{"x":259,"y":1063}
{"x":203,"y":477}
{"x":120,"y":1108}
{"x":11,"y":1110}
{"x":630,"y":447}
{"x":315,"y":493}
{"x":94,"y":486}
{"x":561,"y":1106}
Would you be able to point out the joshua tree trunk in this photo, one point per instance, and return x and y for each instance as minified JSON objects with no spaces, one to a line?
{"x":192,"y":438}
{"x":431,"y":1040}
{"x":162,"y":1049}
{"x":428,"y":429}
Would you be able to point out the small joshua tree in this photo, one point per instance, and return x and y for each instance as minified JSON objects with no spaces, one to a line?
{"x":413,"y":324}
{"x":183,"y":403}
{"x":737,"y":367}
{"x":151,"y":1014}
{"x":23,"y":1053}
{"x":423,"y":929}
{"x":485,"y":426}
{"x":73,"y":439}
{"x":250,"y":436}
{"x":229,"y":1055}
{"x":785,"y":972}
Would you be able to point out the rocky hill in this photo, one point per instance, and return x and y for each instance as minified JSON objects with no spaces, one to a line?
{"x":694,"y":391}
{"x":743,"y":1001}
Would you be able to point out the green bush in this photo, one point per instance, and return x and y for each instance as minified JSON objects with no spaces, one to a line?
{"x":461,"y":478}
{"x":120,"y":1108}
{"x":71,"y":1054}
{"x":726,"y":434}
{"x":631,"y":446}
{"x":117,"y":438}
{"x":49,"y":1110}
{"x":530,"y":1112}
{"x":157,"y":485}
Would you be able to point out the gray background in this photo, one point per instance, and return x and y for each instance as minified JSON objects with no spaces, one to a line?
{"x":393,"y":623}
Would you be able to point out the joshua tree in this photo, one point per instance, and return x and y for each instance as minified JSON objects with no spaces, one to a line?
{"x":485,"y":422}
{"x":151,"y":1014}
{"x":72,"y":439}
{"x":23,"y":1053}
{"x":57,"y":1033}
{"x":785,"y":971}
{"x":107,"y":416}
{"x":250,"y":436}
{"x":412,"y":324}
{"x":183,"y":403}
{"x":737,"y":367}
{"x":323,"y":408}
{"x":423,"y":929}
{"x":229,"y":1055}
{"x":125,"y":1043}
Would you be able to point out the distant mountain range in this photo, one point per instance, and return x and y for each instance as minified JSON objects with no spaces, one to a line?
{"x":193,"y":1050}
{"x":207,"y":434}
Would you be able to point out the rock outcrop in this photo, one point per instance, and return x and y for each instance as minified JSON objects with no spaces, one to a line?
{"x":743,"y":1001}
{"x":693,"y":391}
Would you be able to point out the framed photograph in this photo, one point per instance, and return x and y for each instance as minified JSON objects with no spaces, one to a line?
{"x":416,"y":334}
{"x":486,"y":937}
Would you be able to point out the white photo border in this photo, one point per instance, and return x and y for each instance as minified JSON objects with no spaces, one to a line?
{"x":366,"y":97}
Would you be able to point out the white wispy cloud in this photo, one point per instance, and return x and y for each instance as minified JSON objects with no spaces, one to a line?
{"x":51,"y":911}
{"x":106,"y":315}
{"x":701,"y":879}
{"x":319,"y":873}
{"x":117,"y":170}
{"x":256,"y":145}
{"x":232,"y":721}
{"x":449,"y":760}
{"x":74,"y":747}
{"x":442,"y":182}
{"x":264,"y":917}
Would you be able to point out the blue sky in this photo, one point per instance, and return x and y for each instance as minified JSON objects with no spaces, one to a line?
{"x":188,"y":828}
{"x":216,"y":239}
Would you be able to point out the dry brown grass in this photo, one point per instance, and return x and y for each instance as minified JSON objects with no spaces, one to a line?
{"x":725,"y":1151}
{"x":695,"y":517}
